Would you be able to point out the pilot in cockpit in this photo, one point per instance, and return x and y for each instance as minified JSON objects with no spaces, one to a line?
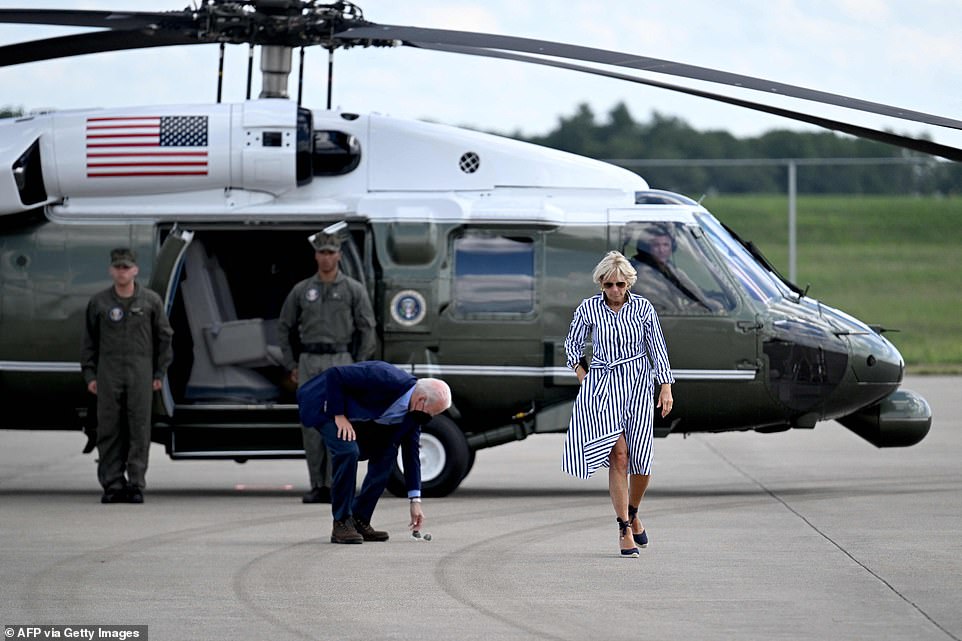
{"x":662,"y":282}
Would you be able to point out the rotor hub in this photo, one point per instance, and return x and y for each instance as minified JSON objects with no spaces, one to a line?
{"x":286,"y":23}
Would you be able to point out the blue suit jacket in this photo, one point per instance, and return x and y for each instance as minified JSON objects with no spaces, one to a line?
{"x":362,"y":392}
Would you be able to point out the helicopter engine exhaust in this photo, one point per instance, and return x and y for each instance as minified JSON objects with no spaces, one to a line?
{"x":901,"y":419}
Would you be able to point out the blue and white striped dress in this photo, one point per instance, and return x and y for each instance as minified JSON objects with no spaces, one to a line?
{"x":617,"y":395}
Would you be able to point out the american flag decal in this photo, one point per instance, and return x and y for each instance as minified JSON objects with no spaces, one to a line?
{"x":143,"y":146}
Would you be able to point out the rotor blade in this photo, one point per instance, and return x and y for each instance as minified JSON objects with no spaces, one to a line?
{"x":469,"y":39}
{"x":906,"y":142}
{"x":80,"y":18}
{"x":96,"y":42}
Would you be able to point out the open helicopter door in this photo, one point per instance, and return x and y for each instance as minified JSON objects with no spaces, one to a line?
{"x":163,"y":280}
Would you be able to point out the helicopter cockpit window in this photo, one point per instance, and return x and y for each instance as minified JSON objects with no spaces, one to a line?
{"x":493,"y":275}
{"x":755,"y":279}
{"x":674,"y":270}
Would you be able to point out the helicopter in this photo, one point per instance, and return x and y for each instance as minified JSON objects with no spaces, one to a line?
{"x":474,"y":248}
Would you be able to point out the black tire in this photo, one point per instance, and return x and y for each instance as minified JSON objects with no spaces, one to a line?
{"x":467,"y":469}
{"x":441,"y":436}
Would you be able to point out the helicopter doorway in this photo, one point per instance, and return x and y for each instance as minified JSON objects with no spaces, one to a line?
{"x":232,"y":395}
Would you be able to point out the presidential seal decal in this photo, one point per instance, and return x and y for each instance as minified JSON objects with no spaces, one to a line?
{"x":408,"y":308}
{"x":116,"y":314}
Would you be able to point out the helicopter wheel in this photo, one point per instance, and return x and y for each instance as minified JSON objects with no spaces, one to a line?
{"x":467,"y":469}
{"x":445,"y":460}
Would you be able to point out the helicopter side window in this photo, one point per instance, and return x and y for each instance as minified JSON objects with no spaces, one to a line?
{"x":493,"y":274}
{"x":674,"y":271}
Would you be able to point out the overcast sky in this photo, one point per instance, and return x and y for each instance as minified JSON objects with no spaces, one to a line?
{"x":906,"y":53}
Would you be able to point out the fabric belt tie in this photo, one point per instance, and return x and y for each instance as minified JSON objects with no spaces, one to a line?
{"x":325,"y":348}
{"x":601,"y":389}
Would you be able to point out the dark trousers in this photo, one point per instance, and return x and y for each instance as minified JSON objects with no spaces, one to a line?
{"x":123,"y":432}
{"x":374,"y":443}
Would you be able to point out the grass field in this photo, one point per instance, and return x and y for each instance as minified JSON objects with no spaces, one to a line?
{"x":891,"y":261}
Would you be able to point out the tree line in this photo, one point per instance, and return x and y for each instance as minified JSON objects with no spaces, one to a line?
{"x":620,"y":137}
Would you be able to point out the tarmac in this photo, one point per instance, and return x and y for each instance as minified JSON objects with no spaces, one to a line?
{"x":808,"y":534}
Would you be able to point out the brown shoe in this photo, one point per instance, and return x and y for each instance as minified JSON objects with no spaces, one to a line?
{"x":368,"y":532}
{"x":344,"y":532}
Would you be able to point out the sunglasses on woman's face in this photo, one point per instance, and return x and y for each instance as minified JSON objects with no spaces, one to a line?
{"x":620,"y":285}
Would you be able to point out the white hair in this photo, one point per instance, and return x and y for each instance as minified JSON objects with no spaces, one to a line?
{"x":436,"y":392}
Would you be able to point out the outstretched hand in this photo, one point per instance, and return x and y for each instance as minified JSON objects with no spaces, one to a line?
{"x":417,"y":517}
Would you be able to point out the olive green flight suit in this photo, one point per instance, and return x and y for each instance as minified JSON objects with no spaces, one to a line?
{"x":326,"y":317}
{"x":126,"y":345}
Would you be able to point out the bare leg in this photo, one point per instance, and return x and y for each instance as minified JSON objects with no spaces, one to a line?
{"x":637,"y":485}
{"x":618,"y":486}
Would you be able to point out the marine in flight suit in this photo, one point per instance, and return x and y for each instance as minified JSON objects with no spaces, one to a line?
{"x":326,"y":321}
{"x":125,"y":354}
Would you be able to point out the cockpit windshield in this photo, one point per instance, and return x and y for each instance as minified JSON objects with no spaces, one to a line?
{"x":675,"y":272}
{"x":758,"y":282}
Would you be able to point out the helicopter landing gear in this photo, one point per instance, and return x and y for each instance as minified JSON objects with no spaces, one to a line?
{"x":445,"y":460}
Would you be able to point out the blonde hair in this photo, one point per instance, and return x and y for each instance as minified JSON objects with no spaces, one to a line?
{"x":615,"y":261}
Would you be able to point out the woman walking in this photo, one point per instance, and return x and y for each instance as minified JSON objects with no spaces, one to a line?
{"x":611,"y":424}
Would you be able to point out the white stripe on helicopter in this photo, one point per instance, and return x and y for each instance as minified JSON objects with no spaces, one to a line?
{"x":439,"y":370}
